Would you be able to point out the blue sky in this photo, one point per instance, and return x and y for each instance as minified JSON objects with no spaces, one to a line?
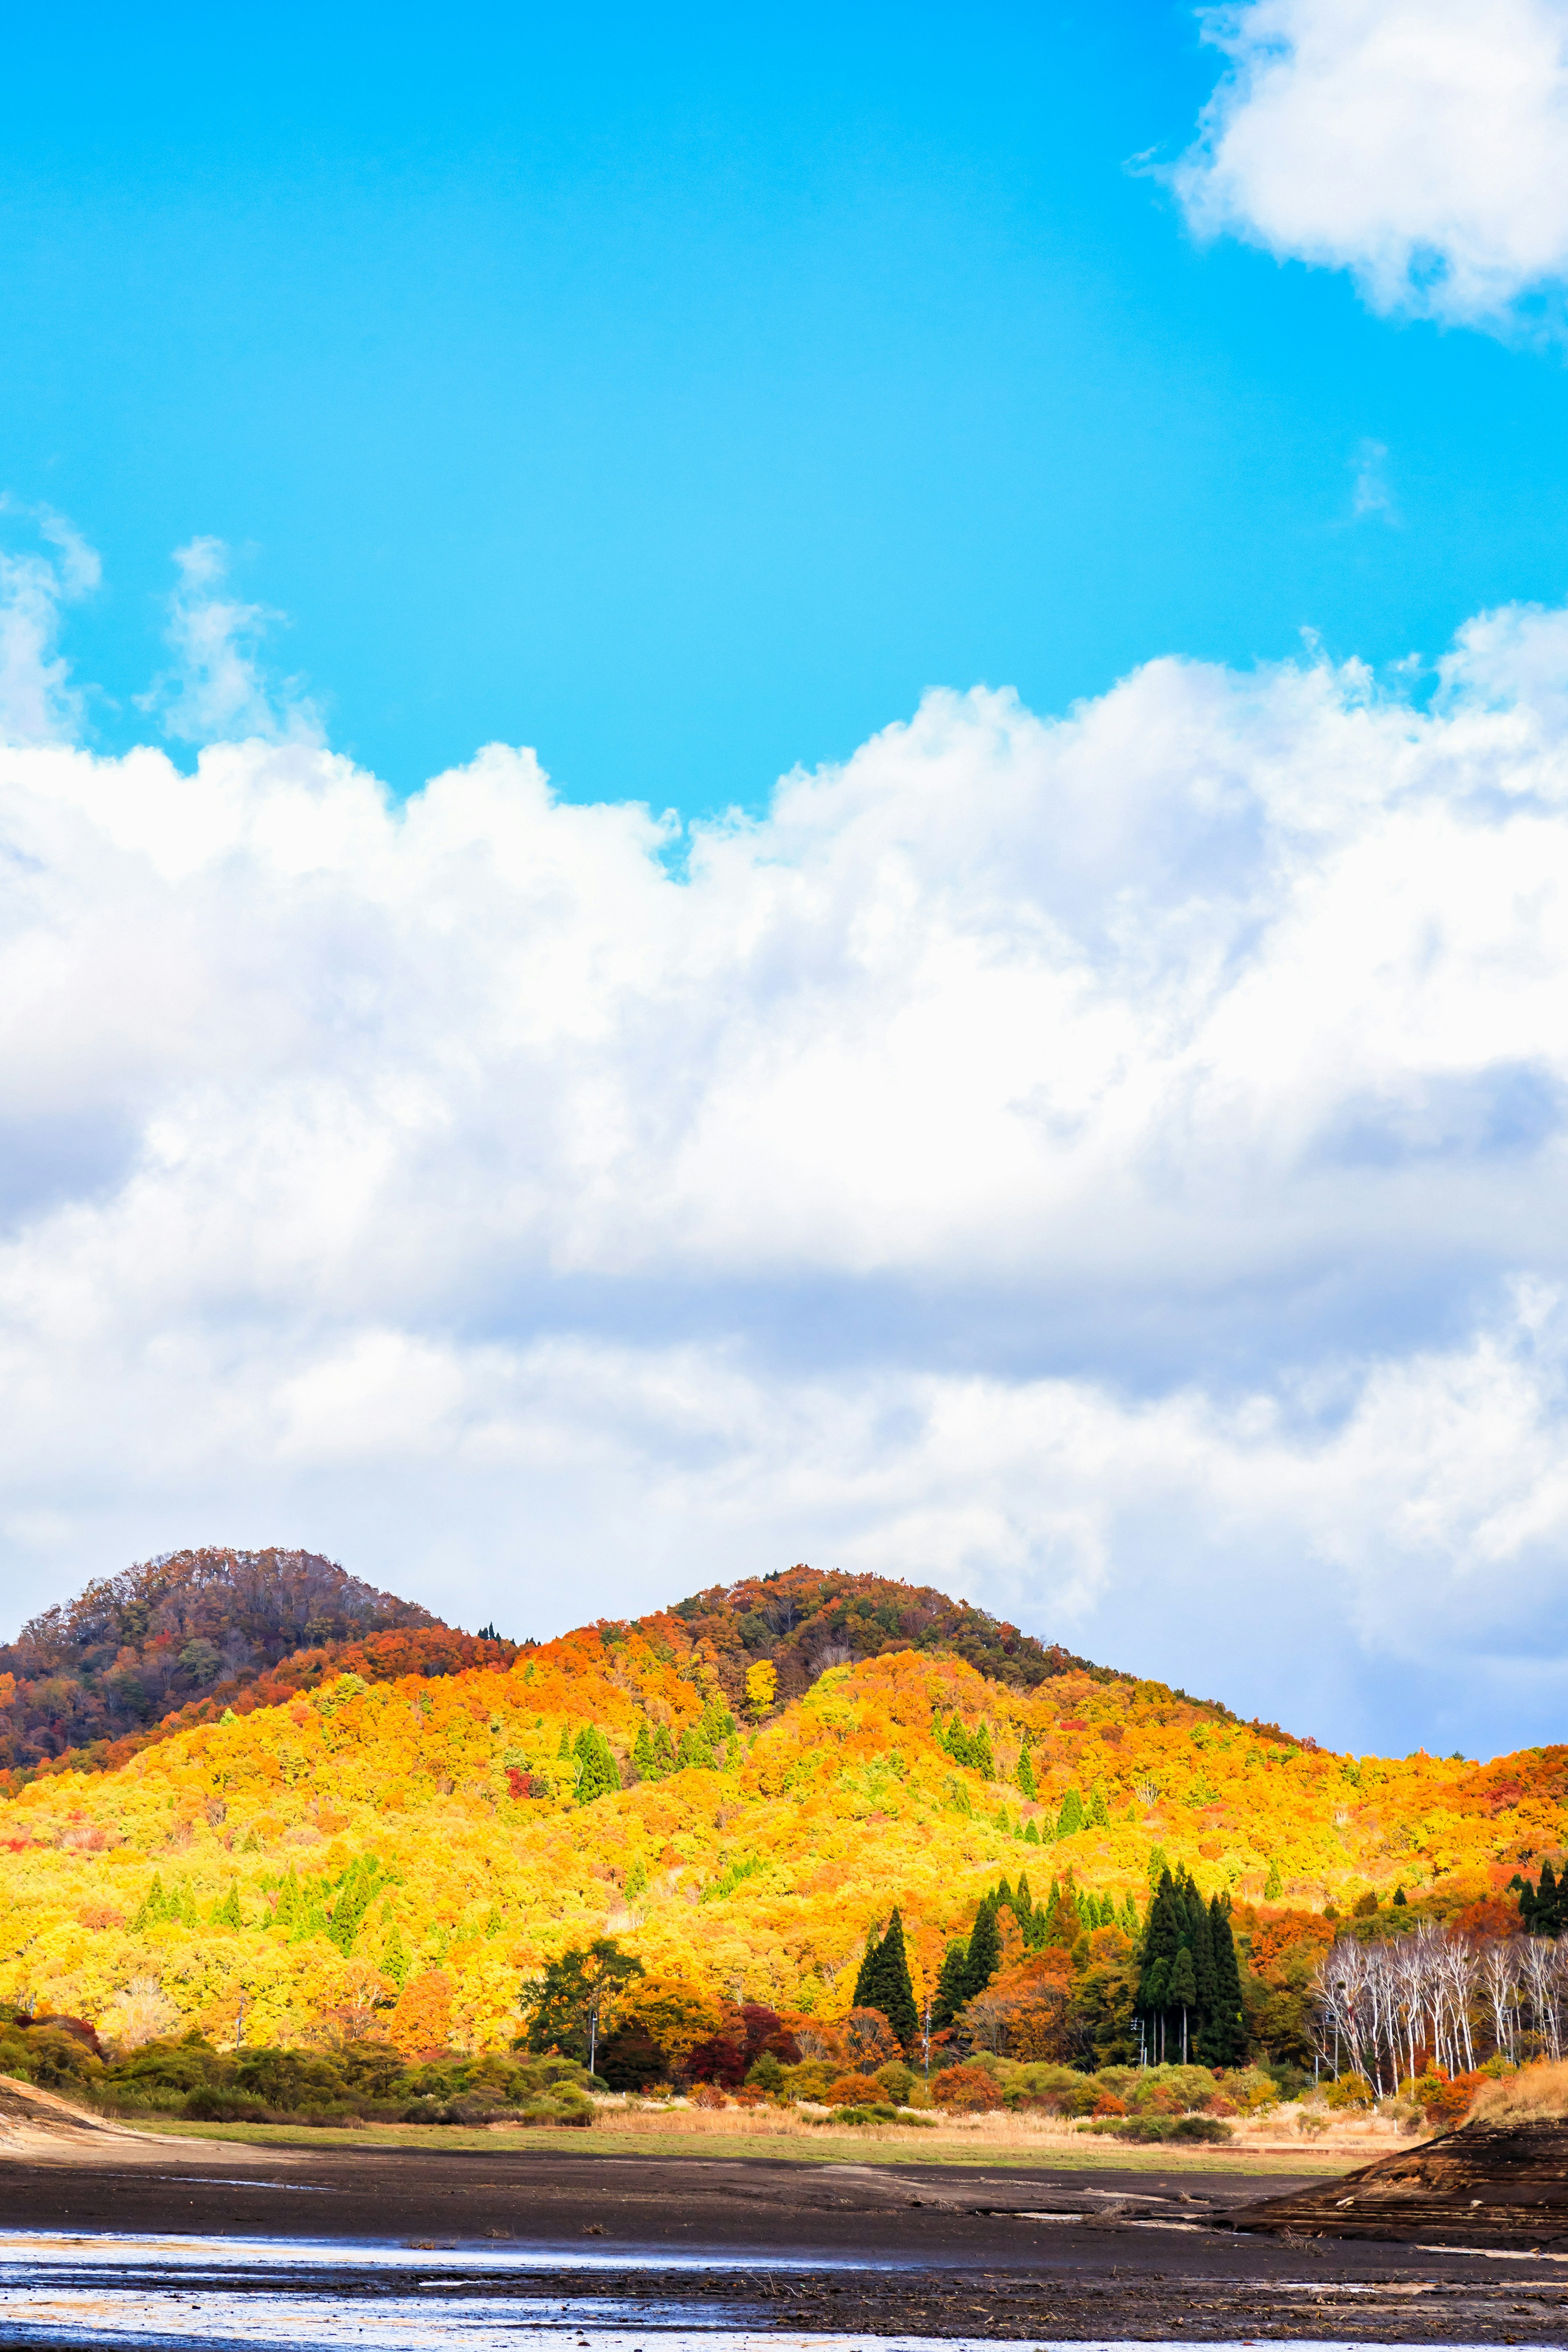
{"x":1074,"y":1105}
{"x":682,"y":392}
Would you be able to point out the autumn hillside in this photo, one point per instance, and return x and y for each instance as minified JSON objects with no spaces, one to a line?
{"x":737,"y":1789}
{"x":88,"y":1682}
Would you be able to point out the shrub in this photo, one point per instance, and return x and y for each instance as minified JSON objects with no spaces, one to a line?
{"x":1108,"y":2104}
{"x":1204,"y":2127}
{"x":1446,"y":2100}
{"x":970,"y":2089}
{"x":855,"y":2091}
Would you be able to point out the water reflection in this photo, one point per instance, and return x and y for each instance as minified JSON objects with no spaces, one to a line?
{"x":205,"y":2294}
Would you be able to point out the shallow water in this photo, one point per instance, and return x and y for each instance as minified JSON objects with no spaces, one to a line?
{"x":205,"y":2294}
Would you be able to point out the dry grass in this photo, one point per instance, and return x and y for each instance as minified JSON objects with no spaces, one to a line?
{"x":1025,"y":2141}
{"x":1538,"y":2094}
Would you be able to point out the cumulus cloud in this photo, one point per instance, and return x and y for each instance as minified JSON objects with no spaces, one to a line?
{"x":1112,"y":1166}
{"x":217,"y":685}
{"x":1418,"y":143}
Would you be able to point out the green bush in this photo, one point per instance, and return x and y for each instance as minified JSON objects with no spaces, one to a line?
{"x":364,"y":2082}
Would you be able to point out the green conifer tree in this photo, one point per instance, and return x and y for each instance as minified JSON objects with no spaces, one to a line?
{"x":895,"y":1994}
{"x":1070,"y":1819}
{"x":1025,"y":1774}
{"x":1161,"y":1941}
{"x":597,"y":1773}
{"x":226,"y":1914}
{"x":694,"y":1752}
{"x":644,"y":1762}
{"x":866,"y":1977}
{"x":1228,"y":2027}
{"x":1273,"y":1885}
{"x":1099,"y":1811}
{"x":950,"y":1994}
{"x":1205,"y":1975}
{"x":1182,"y":1991}
{"x":563,"y":1753}
{"x":985,"y":1954}
{"x":980,"y":1753}
{"x":1031,"y":1834}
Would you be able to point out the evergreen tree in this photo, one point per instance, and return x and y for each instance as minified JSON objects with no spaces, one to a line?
{"x":356,"y":1888}
{"x":1070,"y":1817}
{"x":1152,"y":2001}
{"x":598,"y":1775}
{"x":980,"y":1753}
{"x":644,"y":1762}
{"x":1023,"y":1905}
{"x":866,"y":1977}
{"x":1161,"y":1941}
{"x":1128,"y":1919}
{"x":1227,"y":2025}
{"x":226,"y":1914}
{"x":892,"y":1990}
{"x":1025,"y":1774}
{"x":1099,"y":1811}
{"x":395,"y":1958}
{"x":950,"y":1994}
{"x":1399,"y":1897}
{"x":1031,"y":1834}
{"x":664,"y":1750}
{"x":563,"y":1753}
{"x":1182,"y":1989}
{"x":1204,"y":1958}
{"x":694,"y":1752}
{"x":1273,"y":1885}
{"x":985,"y":1954}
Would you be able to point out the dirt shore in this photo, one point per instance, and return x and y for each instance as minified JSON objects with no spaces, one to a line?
{"x":938,"y":2251}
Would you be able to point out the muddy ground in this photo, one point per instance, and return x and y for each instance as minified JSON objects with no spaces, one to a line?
{"x":923,"y":2251}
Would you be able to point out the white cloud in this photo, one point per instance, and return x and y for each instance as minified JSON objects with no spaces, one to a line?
{"x":1418,"y":143}
{"x":37,"y":704}
{"x":217,"y":686}
{"x":1112,"y":1165}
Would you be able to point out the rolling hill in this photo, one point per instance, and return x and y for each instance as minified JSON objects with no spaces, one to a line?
{"x":737,"y":1789}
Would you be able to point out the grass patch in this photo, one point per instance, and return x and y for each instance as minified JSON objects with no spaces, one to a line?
{"x":648,"y":2135}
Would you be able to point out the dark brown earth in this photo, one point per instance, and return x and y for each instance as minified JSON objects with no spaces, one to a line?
{"x":937,"y":2251}
{"x":1505,"y":2187}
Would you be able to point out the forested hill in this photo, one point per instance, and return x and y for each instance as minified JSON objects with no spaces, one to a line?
{"x":102,"y":1672}
{"x":803,"y":1621}
{"x":739,"y":1789}
{"x":177,"y":1641}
